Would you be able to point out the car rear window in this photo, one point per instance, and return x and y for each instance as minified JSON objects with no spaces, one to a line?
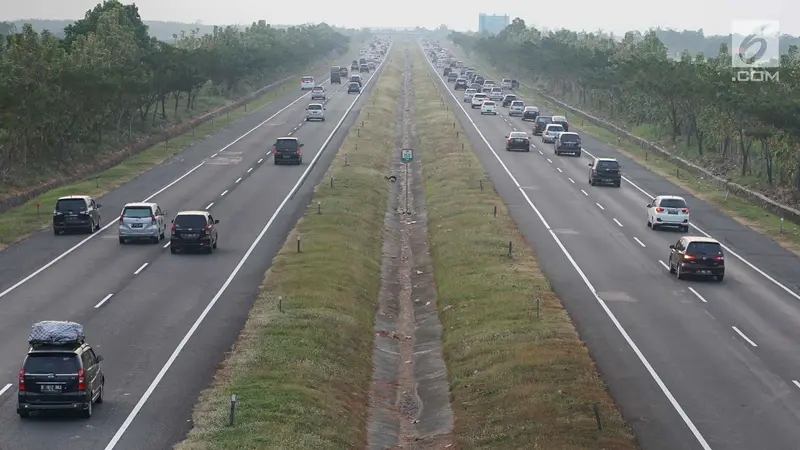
{"x":137,"y":211}
{"x":72,"y":204}
{"x":542,"y":119}
{"x":308,"y":79}
{"x":704,"y":248}
{"x":517,"y":103}
{"x":315,"y":107}
{"x":56,"y":363}
{"x":518,"y":136}
{"x":608,"y":165}
{"x":318,"y":88}
{"x":555,"y":128}
{"x":286,"y":143}
{"x":190,"y":221}
{"x":570,"y":138}
{"x":672,"y":203}
{"x":488,"y":103}
{"x":479,"y":96}
{"x":559,"y":119}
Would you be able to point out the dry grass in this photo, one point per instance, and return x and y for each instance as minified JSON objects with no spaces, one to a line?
{"x":738,"y":208}
{"x":302,"y":374}
{"x":519,"y":379}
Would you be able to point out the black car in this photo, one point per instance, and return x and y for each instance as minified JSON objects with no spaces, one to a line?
{"x":697,"y":255}
{"x":354,"y":66}
{"x":343,"y":73}
{"x":568,"y":142}
{"x":447,"y":71}
{"x":461,"y":84}
{"x":479,"y":79}
{"x":518,"y":140}
{"x":357,"y":79}
{"x":288,"y":149}
{"x":363,"y":68}
{"x":541,"y":123}
{"x":530,"y":114}
{"x":64,"y":376}
{"x":354,"y":87}
{"x":194,"y":230}
{"x":451,"y":77}
{"x":605,"y":171}
{"x":561,"y":120}
{"x":76,"y":212}
{"x":507,"y":99}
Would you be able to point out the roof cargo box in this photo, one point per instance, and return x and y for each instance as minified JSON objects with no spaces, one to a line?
{"x":55,"y":332}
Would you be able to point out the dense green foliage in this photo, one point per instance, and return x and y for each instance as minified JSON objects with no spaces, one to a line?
{"x":745,"y":130}
{"x":107,"y":80}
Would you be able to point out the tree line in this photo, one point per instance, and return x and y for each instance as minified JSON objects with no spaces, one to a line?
{"x":64,"y":100}
{"x":743,"y":130}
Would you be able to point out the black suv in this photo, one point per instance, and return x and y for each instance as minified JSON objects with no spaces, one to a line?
{"x":697,"y":255}
{"x":193,"y":230}
{"x":76,"y":212}
{"x":60,"y":378}
{"x":287,"y":149}
{"x":447,"y":71}
{"x":518,"y":140}
{"x":507,"y":99}
{"x":605,"y":171}
{"x":568,"y":142}
{"x":461,"y":85}
{"x":541,"y":123}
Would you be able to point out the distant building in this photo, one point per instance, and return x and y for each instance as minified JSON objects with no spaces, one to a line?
{"x":492,"y":24}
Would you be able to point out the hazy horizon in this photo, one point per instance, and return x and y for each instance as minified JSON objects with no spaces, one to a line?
{"x":712,"y":16}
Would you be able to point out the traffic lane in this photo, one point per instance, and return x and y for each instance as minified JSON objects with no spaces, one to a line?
{"x":759,"y":250}
{"x":22,"y":259}
{"x":644,"y":405}
{"x":650,"y":283}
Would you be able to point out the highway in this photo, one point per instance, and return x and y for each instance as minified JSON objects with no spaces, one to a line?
{"x":692,"y":364}
{"x":163,"y":322}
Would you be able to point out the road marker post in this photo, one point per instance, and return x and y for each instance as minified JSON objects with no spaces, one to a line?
{"x":406,"y":156}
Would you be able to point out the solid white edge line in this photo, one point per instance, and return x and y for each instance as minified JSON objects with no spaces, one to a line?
{"x":150,"y":389}
{"x":210,"y":205}
{"x":749,"y":341}
{"x":618,"y":222}
{"x":663,"y":264}
{"x":664,"y":389}
{"x":5,"y":388}
{"x":102,"y":302}
{"x":697,"y":294}
{"x":173,"y":183}
{"x":140,"y":269}
{"x":640,"y":242}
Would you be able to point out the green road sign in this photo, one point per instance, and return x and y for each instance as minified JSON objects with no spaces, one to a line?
{"x":406,"y":155}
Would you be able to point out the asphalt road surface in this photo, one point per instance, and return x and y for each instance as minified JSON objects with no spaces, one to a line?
{"x":139,"y":302}
{"x":692,"y":364}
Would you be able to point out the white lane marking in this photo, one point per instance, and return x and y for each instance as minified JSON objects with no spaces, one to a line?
{"x":223,"y":193}
{"x":182,"y":344}
{"x":105,"y":299}
{"x":662,"y":263}
{"x":585,"y":193}
{"x":618,"y":222}
{"x":599,"y":206}
{"x":167,"y":244}
{"x":796,"y":383}
{"x":214,"y":155}
{"x":238,"y":180}
{"x":540,"y":152}
{"x":725,"y":247}
{"x":640,"y":242}
{"x":571,"y":180}
{"x":559,"y":169}
{"x":548,"y":160}
{"x":289,"y":133}
{"x":140,"y":269}
{"x":249,"y":170}
{"x":5,"y":388}
{"x":210,"y":205}
{"x":697,"y":294}
{"x":153,"y":195}
{"x":749,"y":341}
{"x":657,"y":378}
{"x":260,"y":160}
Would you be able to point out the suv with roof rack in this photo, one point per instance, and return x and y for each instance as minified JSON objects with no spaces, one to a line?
{"x":61,"y":374}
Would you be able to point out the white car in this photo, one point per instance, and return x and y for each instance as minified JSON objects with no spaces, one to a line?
{"x":307,"y":83}
{"x":668,"y":211}
{"x":468,"y":94}
{"x":496,"y":94}
{"x":489,"y":107}
{"x":506,"y":83}
{"x":552,"y":131}
{"x":488,"y":85}
{"x":315,"y":111}
{"x":478,"y":99}
{"x":517,"y":107}
{"x":318,"y":93}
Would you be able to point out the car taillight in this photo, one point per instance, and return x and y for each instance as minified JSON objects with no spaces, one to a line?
{"x":172,"y":229}
{"x":207,"y":227}
{"x":509,"y":140}
{"x":81,"y":381}
{"x":297,"y":150}
{"x":153,"y":219}
{"x":688,"y":258}
{"x":659,"y":210}
{"x":719,"y":259}
{"x":121,"y":219}
{"x":22,"y":380}
{"x":685,"y":210}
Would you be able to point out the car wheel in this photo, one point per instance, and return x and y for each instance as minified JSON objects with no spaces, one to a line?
{"x":23,"y":414}
{"x":210,"y":249}
{"x":275,"y":161}
{"x":679,"y":273}
{"x":121,"y":240}
{"x":155,"y":239}
{"x":173,"y":250}
{"x":617,"y":183}
{"x":720,"y":277}
{"x":686,"y":229}
{"x":55,"y":231}
{"x":578,"y":154}
{"x":87,"y":413}
{"x":99,"y":219}
{"x":215,"y":244}
{"x":323,"y":119}
{"x":591,"y":182}
{"x":91,"y":226}
{"x":671,"y":269}
{"x":163,"y":234}
{"x":100,"y":394}
{"x":558,"y":153}
{"x":528,"y":149}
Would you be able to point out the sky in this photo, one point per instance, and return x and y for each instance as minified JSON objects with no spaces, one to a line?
{"x":618,"y":16}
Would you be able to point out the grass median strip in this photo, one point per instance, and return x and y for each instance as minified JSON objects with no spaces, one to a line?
{"x":520,"y":377}
{"x":736,"y":207}
{"x":20,"y":222}
{"x":302,"y":366}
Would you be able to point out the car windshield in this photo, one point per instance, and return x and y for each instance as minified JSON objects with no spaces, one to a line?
{"x":672,"y":203}
{"x":190,"y":221}
{"x":570,"y":138}
{"x":71,"y":204}
{"x":137,"y":211}
{"x":308,"y":80}
{"x":286,"y":143}
{"x":55,"y":363}
{"x":318,"y":89}
{"x":516,"y":103}
{"x":704,"y":249}
{"x":608,"y":165}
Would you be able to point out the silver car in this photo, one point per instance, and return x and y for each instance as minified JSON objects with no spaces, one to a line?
{"x":315,"y":111}
{"x":516,"y":108}
{"x":496,"y":94}
{"x":551,"y":133}
{"x":468,"y":95}
{"x":318,"y":93}
{"x":142,"y":221}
